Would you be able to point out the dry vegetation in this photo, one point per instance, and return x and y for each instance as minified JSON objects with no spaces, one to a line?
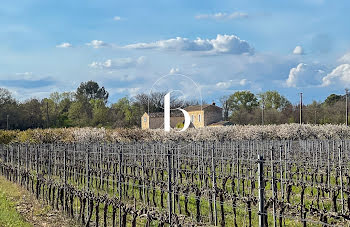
{"x":236,"y":132}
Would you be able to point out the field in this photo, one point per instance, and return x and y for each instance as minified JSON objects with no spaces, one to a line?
{"x":296,"y":179}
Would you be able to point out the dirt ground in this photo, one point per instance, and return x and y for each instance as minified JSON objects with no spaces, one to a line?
{"x":33,"y":211}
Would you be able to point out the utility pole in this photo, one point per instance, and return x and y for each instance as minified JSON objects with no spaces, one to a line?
{"x":315,"y":117}
{"x":47,"y":114}
{"x":7,"y":122}
{"x":346,"y":106}
{"x":301,"y":108}
{"x":262,"y":111}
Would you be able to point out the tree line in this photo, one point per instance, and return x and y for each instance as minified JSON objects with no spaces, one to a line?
{"x":87,"y":106}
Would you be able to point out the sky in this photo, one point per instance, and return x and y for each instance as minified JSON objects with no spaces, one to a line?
{"x":222,"y":46}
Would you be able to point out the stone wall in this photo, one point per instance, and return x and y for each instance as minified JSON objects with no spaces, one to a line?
{"x":212,"y":116}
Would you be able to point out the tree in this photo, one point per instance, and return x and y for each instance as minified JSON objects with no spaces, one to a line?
{"x":8,"y":110}
{"x":244,"y":116}
{"x":31,"y":116}
{"x":79,"y":115}
{"x":5,"y":96}
{"x":225,"y":106}
{"x":99,"y":112}
{"x":242,"y":100}
{"x":123,"y":113}
{"x":81,"y":111}
{"x":62,"y":103}
{"x":332,"y":99}
{"x":273,"y":100}
{"x":91,"y":90}
{"x":49,"y":112}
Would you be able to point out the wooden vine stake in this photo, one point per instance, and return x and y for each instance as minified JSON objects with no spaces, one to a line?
{"x":273,"y":188}
{"x":120,"y":183}
{"x":261,"y":186}
{"x":341,"y":178}
{"x":170,"y":203}
{"x":214,"y":184}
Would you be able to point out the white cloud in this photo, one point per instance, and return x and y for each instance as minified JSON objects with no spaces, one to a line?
{"x":97,"y":44}
{"x":120,"y":63}
{"x":25,"y":76}
{"x":174,"y":70}
{"x":223,"y":16}
{"x":340,"y":74}
{"x":243,"y":82}
{"x":132,"y":91}
{"x":345,"y":58}
{"x":224,"y":44}
{"x":298,"y":50}
{"x":117,"y":18}
{"x":224,"y":85}
{"x":294,"y":74}
{"x":230,"y":83}
{"x":64,"y":45}
{"x":304,"y":75}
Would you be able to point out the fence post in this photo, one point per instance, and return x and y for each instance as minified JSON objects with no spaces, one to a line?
{"x":65,"y":176}
{"x":87,"y":177}
{"x":74,"y":162}
{"x":170,"y":203}
{"x":273,"y":187}
{"x":214,"y":183}
{"x":27,"y":162}
{"x":281,"y":172}
{"x":7,"y":155}
{"x":18,"y":164}
{"x":341,"y":179}
{"x":37,"y":160}
{"x":101,"y":168}
{"x":328,"y":168}
{"x":173,"y":158}
{"x":49,"y":157}
{"x":143,"y":175}
{"x":238,"y":180}
{"x":87,"y":172}
{"x":27,"y":168}
{"x":120,"y":182}
{"x":261,"y":185}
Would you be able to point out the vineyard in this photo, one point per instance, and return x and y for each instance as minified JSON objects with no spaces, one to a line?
{"x":188,"y":183}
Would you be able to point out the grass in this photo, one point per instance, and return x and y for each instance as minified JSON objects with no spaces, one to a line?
{"x":9,"y":194}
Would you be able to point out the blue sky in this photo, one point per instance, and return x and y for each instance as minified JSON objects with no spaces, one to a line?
{"x":224,"y":46}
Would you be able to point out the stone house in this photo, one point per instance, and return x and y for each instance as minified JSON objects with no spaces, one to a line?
{"x":156,"y":120}
{"x":201,"y":116}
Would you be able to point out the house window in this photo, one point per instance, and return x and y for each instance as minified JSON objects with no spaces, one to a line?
{"x":192,"y":117}
{"x":199,"y":118}
{"x":144,"y":119}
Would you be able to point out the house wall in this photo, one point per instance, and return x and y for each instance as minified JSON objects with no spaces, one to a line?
{"x":145,"y":125}
{"x":196,"y":122}
{"x":212,"y":116}
{"x":158,"y":122}
{"x":208,"y":116}
{"x":175,"y":120}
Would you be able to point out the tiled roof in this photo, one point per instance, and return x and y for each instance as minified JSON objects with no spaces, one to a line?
{"x":161,"y":114}
{"x":221,"y":123}
{"x":177,"y":113}
{"x":202,"y":107}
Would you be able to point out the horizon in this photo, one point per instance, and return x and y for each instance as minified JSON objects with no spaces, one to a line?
{"x":224,"y":47}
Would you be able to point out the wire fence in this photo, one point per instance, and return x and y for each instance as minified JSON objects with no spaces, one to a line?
{"x":182,"y":184}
